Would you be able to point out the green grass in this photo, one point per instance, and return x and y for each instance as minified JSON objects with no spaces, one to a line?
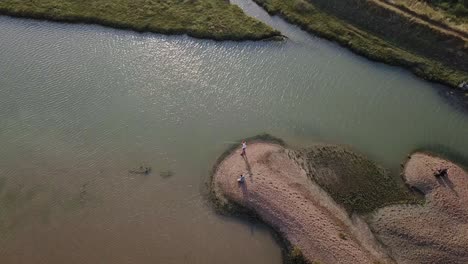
{"x":379,"y":35}
{"x":354,"y":181}
{"x":212,"y":19}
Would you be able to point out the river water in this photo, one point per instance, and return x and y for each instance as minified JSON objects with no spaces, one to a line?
{"x":80,"y":106}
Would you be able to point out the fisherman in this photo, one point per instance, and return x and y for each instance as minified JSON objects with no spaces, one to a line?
{"x":244,"y":146}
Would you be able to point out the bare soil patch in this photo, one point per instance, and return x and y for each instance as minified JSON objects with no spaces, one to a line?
{"x":436,"y":232}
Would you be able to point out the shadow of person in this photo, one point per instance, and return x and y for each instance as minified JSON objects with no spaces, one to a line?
{"x":245,"y":191}
{"x":248,"y":167}
{"x":446,"y":182}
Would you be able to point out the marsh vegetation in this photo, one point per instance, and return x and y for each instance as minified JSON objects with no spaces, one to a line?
{"x":213,"y":19}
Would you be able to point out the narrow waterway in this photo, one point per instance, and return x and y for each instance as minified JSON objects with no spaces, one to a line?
{"x":82,"y":105}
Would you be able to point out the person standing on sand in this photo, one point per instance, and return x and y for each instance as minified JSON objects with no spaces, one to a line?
{"x":241,"y":179}
{"x":244,"y":146}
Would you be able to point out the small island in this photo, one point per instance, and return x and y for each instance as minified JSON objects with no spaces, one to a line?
{"x":210,"y":19}
{"x":331,"y":205}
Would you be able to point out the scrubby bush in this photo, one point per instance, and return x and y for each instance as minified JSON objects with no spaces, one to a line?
{"x":296,"y":256}
{"x":302,"y":6}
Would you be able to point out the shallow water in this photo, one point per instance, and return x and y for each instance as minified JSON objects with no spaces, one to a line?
{"x":80,"y":106}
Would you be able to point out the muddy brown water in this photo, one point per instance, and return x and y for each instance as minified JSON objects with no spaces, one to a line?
{"x":81,"y":106}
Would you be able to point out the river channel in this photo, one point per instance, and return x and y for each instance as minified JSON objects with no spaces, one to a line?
{"x":82,"y":105}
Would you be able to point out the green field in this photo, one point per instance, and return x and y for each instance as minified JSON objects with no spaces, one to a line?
{"x":212,"y":19}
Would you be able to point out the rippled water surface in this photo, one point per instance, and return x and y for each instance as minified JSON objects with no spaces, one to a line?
{"x":80,"y":106}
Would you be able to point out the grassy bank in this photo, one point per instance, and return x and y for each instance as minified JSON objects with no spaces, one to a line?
{"x":381,"y":35}
{"x":211,"y":19}
{"x":353,"y":181}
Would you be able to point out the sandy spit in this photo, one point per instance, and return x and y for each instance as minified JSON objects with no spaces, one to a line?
{"x":436,"y":232}
{"x":282,"y":195}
